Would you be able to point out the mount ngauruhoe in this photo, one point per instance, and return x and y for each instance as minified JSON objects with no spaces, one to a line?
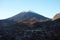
{"x":23,"y":17}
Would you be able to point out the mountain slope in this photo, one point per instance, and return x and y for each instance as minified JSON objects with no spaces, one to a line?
{"x":57,"y":16}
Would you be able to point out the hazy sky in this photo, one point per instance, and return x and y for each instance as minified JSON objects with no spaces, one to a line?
{"x":46,"y":8}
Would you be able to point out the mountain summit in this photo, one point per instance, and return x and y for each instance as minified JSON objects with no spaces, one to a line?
{"x":23,"y":16}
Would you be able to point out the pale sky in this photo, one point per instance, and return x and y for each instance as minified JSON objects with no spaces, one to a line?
{"x":48,"y":8}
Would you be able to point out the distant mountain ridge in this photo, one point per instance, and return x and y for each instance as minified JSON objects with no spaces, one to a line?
{"x":23,"y":16}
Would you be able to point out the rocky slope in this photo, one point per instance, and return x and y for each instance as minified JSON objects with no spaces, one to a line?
{"x":49,"y":30}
